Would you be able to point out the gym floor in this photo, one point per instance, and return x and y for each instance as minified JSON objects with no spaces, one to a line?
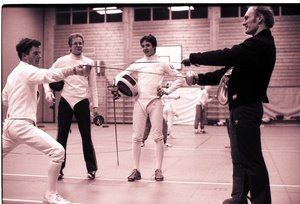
{"x":197,"y":168}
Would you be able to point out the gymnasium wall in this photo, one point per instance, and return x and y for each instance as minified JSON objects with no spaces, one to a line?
{"x":18,"y":23}
{"x":117,"y":44}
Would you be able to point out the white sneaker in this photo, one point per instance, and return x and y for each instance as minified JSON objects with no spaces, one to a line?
{"x":171,"y":136}
{"x":197,"y":131}
{"x":168,"y":145}
{"x":55,"y":199}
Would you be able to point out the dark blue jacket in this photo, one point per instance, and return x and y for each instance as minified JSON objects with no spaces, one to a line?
{"x":253,"y":63}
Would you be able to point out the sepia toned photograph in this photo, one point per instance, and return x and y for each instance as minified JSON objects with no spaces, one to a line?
{"x":150,"y":103}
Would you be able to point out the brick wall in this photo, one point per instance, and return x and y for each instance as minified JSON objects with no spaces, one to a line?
{"x":117,"y":44}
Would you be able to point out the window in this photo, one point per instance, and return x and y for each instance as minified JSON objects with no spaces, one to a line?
{"x":170,"y":13}
{"x":180,"y":12}
{"x":114,"y":17}
{"x":199,"y":12}
{"x":279,"y":10}
{"x":63,"y":15}
{"x":161,"y":13}
{"x":79,"y":18}
{"x":79,"y":15}
{"x":63,"y":19}
{"x":290,"y":10}
{"x":96,"y":17}
{"x":244,"y":10}
{"x":229,"y":11}
{"x":142,"y":14}
{"x":275,"y":10}
{"x":86,"y":15}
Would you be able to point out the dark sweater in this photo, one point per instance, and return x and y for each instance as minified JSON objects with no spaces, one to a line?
{"x":253,"y":63}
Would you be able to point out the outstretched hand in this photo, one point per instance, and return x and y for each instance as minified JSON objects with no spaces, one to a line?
{"x":85,"y":70}
{"x":191,"y":78}
{"x":186,"y":62}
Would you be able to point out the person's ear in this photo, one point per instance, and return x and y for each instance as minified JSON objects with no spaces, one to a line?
{"x":24,"y":56}
{"x":260,"y":19}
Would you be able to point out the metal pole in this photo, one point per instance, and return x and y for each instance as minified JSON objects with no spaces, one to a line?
{"x":116,"y":133}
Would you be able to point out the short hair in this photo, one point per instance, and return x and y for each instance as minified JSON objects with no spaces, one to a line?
{"x":74,"y":35}
{"x":149,"y":38}
{"x":25,"y":45}
{"x":267,"y":13}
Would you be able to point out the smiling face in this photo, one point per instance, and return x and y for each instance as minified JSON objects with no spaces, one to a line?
{"x":252,"y":22}
{"x":77,"y":46}
{"x":148,"y":48}
{"x":33,"y":57}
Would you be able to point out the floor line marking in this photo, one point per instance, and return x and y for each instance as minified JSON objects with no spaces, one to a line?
{"x":21,"y":200}
{"x":24,"y":201}
{"x":152,"y":181}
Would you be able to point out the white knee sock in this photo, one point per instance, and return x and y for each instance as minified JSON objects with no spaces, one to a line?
{"x":53,"y":172}
{"x":136,"y":151}
{"x":159,"y":146}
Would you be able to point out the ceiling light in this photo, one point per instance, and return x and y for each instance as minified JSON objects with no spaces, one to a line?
{"x":107,"y":10}
{"x":181,"y":8}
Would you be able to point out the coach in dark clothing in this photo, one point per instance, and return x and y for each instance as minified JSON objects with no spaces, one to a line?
{"x":253,"y":62}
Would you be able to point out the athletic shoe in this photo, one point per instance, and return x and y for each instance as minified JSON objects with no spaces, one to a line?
{"x":235,"y":201}
{"x":203,"y":131}
{"x":55,"y":199}
{"x":135,"y":175}
{"x":168,"y":145}
{"x":91,"y":175}
{"x":171,"y":136}
{"x":60,"y":176}
{"x":143,"y":144}
{"x":197,"y":131}
{"x":158,"y":175}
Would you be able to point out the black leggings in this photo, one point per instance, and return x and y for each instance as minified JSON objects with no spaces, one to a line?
{"x":82,"y":115}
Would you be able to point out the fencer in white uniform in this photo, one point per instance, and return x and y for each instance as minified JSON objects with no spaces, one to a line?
{"x":149,"y":72}
{"x":21,"y":96}
{"x":169,"y":110}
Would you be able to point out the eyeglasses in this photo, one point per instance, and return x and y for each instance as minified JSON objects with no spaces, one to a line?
{"x":77,"y":43}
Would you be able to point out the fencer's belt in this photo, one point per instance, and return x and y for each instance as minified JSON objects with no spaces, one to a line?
{"x":25,"y":119}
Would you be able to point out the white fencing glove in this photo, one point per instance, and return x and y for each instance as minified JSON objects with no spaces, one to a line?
{"x":162,"y":91}
{"x":82,"y":70}
{"x":191,"y":78}
{"x":50,"y":97}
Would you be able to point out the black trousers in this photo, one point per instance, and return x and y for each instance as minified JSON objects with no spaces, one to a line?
{"x":249,"y":169}
{"x":82,"y":115}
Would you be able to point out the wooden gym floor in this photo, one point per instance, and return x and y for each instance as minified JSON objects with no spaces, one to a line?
{"x":197,"y":168}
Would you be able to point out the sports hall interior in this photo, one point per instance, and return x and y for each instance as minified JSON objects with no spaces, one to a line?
{"x":198,"y":167}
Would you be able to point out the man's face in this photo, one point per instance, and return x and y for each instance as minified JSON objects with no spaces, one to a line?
{"x":148,"y":49}
{"x":77,"y":46}
{"x":33,"y":57}
{"x":251,"y":22}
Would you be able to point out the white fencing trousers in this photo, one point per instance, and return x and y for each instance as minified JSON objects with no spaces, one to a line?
{"x":23,"y":131}
{"x":168,"y":114}
{"x":155,"y":111}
